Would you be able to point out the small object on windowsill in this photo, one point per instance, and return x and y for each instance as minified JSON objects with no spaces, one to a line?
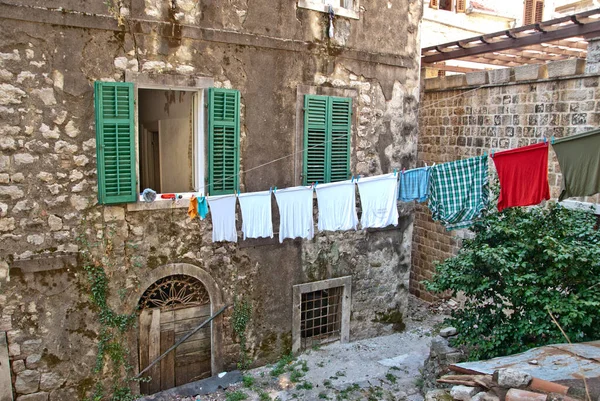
{"x":148,"y":195}
{"x":167,"y":196}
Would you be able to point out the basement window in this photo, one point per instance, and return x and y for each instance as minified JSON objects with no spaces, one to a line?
{"x":342,"y":8}
{"x":321,"y":313}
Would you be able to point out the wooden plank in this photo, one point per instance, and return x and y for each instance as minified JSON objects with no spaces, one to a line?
{"x":199,"y":356}
{"x":188,"y":313}
{"x":192,"y":312}
{"x":193,"y":346}
{"x":144,"y":345}
{"x":202,"y":334}
{"x":185,"y":326}
{"x":6,"y":393}
{"x":154,"y":352}
{"x":167,"y":364}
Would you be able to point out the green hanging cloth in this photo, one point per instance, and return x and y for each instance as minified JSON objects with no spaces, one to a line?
{"x":579,"y":159}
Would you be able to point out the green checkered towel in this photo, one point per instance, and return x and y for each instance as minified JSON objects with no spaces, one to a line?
{"x":459,"y":191}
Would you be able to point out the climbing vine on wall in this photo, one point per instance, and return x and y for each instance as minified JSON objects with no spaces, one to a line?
{"x":113,"y":353}
{"x":242,"y":312}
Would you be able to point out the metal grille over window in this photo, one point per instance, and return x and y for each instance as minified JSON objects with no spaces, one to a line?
{"x":321,"y":317}
{"x":173,"y":292}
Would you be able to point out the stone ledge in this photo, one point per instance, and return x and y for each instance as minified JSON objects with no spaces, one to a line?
{"x":555,"y":70}
{"x":44,"y":263}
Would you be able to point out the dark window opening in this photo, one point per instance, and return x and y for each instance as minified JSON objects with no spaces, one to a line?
{"x":321,"y":317}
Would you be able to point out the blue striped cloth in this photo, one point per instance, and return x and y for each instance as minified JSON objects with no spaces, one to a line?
{"x":414,"y":185}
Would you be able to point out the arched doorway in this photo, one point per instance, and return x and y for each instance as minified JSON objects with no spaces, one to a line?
{"x":169,"y":309}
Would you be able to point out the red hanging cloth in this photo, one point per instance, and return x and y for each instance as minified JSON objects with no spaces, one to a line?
{"x":523,"y":174}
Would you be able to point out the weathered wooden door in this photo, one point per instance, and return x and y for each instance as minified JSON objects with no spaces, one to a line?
{"x":160,"y":328}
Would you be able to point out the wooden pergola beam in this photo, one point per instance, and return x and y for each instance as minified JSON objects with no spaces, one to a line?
{"x":553,"y":30}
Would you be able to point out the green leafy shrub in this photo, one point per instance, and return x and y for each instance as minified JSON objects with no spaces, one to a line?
{"x":522,"y":265}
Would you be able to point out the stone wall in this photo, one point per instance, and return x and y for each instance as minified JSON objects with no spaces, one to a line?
{"x":50,"y":55}
{"x":462,"y":116}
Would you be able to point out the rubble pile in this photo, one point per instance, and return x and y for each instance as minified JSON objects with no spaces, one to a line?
{"x":503,"y":385}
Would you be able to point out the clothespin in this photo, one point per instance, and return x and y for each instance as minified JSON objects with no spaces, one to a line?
{"x":271,"y":190}
{"x":314,"y":185}
{"x":274,"y":189}
{"x":493,"y":151}
{"x":485,"y":153}
{"x":403,"y":170}
{"x":552,"y":139}
{"x":545,"y":140}
{"x":357,"y":177}
{"x":395,"y":172}
{"x":352,"y":180}
{"x":238,"y":193}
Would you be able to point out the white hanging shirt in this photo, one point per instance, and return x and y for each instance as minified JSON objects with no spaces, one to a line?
{"x":337,"y":206}
{"x":256,"y":214}
{"x":222,"y":210}
{"x":295,"y":212}
{"x":378,"y":201}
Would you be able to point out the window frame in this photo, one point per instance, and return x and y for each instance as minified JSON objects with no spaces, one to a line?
{"x":303,"y":89}
{"x":352,"y":12}
{"x":346,"y":301}
{"x":329,"y":134}
{"x":180,"y":83}
{"x":199,"y":137}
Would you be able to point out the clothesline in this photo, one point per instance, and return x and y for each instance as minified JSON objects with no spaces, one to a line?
{"x":457,"y":192}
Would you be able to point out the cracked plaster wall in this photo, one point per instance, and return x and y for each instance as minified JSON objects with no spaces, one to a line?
{"x":48,"y":171}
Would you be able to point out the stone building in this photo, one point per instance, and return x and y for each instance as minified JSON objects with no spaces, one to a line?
{"x":69,"y":205}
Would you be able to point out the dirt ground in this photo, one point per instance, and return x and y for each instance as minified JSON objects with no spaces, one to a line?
{"x":382,"y":368}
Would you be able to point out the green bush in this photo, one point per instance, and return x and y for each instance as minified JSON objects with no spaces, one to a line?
{"x":522,"y":265}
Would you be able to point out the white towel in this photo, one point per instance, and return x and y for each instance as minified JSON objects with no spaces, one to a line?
{"x":378,"y":201}
{"x":337,"y":206}
{"x":256,"y":214}
{"x":295,"y":212}
{"x":222,"y":210}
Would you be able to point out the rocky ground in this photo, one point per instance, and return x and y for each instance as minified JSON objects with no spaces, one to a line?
{"x":383,"y":368}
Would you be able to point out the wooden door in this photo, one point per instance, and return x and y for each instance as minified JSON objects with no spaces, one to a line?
{"x":160,"y":328}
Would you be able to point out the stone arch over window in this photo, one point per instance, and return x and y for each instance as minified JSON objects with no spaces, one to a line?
{"x":214,"y":293}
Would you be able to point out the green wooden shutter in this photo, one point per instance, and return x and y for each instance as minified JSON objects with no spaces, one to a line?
{"x":115,"y":142}
{"x":327,"y":125}
{"x":224,"y":140}
{"x":315,"y":139}
{"x":341,"y":117}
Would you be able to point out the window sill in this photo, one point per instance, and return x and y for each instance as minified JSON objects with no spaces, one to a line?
{"x":324,"y":8}
{"x":162,"y":204}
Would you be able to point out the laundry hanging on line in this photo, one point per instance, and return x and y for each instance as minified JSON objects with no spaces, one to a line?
{"x":523,"y":175}
{"x":222,"y":209}
{"x":378,"y":200}
{"x":295,"y":212}
{"x":193,"y":207}
{"x":202,"y":207}
{"x":459,"y":191}
{"x":337,"y":206}
{"x":579,"y":160}
{"x":256,"y":214}
{"x":414,"y":185}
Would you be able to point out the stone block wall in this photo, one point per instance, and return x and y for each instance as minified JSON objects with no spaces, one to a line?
{"x":463,"y":116}
{"x":49,"y":216}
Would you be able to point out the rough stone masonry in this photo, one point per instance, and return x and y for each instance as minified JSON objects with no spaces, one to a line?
{"x":272,"y":52}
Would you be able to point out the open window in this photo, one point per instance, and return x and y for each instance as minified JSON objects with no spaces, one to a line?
{"x":343,"y":8}
{"x":174,"y":151}
{"x":458,"y":6}
{"x":170,"y":141}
